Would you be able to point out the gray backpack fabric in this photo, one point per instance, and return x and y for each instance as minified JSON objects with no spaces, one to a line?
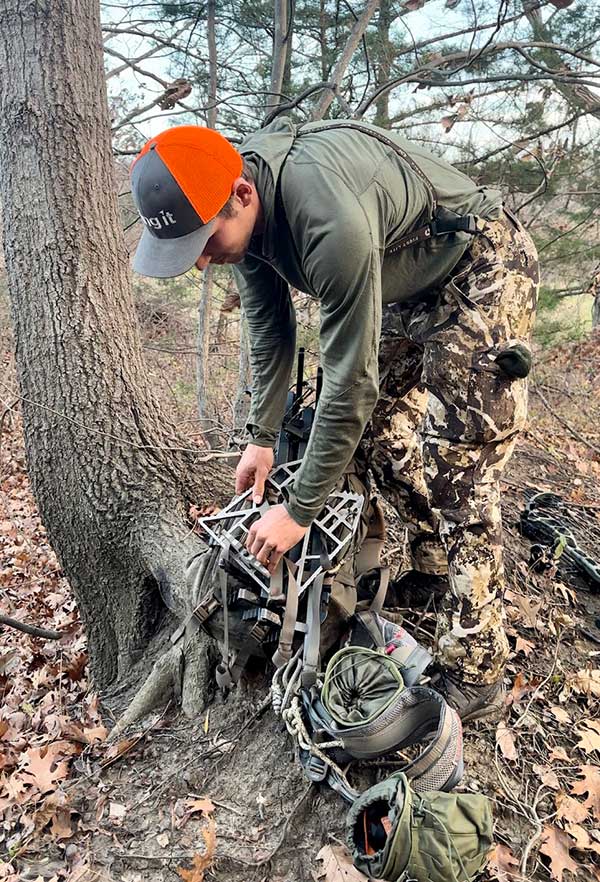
{"x":398,"y":835}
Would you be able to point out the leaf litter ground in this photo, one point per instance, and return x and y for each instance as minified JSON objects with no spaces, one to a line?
{"x":221,"y":797}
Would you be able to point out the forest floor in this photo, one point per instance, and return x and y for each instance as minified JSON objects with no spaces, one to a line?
{"x":221,"y":797}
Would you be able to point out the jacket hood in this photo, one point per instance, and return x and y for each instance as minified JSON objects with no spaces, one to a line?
{"x":271,"y":145}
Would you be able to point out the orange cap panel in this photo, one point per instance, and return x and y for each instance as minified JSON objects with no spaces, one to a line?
{"x":203,"y":163}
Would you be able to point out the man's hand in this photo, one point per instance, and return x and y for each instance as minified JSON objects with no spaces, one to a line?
{"x":272,"y":535}
{"x":252,"y":470}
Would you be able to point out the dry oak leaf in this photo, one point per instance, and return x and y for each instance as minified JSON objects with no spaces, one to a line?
{"x":337,"y":866}
{"x":589,"y":784}
{"x":586,"y":682}
{"x":191,"y":807}
{"x":521,"y":688}
{"x":43,"y":769}
{"x":555,"y":845}
{"x":559,"y":753}
{"x":560,"y":714}
{"x":583,"y":840}
{"x":589,"y":732}
{"x":547,"y":776}
{"x":570,"y":809}
{"x":502,"y":864}
{"x":201,"y":862}
{"x":524,"y":646}
{"x":506,"y":742}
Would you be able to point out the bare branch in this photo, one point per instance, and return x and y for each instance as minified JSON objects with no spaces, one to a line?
{"x":354,"y":39}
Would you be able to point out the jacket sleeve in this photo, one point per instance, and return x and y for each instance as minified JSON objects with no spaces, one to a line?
{"x":268,"y":308}
{"x":343,"y":266}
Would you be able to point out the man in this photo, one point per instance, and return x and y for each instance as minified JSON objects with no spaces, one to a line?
{"x":427,"y":291}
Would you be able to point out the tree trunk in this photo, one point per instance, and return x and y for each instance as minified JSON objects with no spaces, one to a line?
{"x":207,"y":425}
{"x":110,"y":475}
{"x":204,"y":307}
{"x":242,"y":399}
{"x":281,"y":43}
{"x":594,"y":291}
{"x":385,"y":54}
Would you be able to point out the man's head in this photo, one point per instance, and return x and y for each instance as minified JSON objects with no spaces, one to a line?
{"x":196,"y":199}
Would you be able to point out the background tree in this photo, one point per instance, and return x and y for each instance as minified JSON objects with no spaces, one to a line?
{"x":111,"y":475}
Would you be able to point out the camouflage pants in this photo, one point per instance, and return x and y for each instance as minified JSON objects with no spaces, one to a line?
{"x":444,"y":428}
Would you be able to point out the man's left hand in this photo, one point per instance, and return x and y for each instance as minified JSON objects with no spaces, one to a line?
{"x":272,"y":535}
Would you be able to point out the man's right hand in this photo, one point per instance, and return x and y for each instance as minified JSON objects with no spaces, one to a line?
{"x":252,"y":470}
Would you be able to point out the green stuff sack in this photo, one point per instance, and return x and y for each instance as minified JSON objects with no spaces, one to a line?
{"x":397,"y":835}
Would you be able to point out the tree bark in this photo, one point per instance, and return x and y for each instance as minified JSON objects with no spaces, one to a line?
{"x":281,"y":43}
{"x":385,"y":54}
{"x":242,"y":399}
{"x":207,"y":425}
{"x":110,"y":475}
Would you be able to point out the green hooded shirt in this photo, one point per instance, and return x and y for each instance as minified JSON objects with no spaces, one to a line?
{"x":334,"y":203}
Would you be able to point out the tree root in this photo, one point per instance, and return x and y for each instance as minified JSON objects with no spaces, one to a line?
{"x":162,"y":685}
{"x":181,"y":674}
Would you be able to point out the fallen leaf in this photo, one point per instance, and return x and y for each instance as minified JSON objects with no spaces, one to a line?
{"x":570,"y":809}
{"x":524,"y":646}
{"x":559,"y":753}
{"x":502,"y":864}
{"x":56,"y":812}
{"x":589,"y":733}
{"x":43,"y":769}
{"x":589,"y":784}
{"x":337,"y":866}
{"x":560,"y":714}
{"x":201,"y":862}
{"x":580,"y":835}
{"x":547,"y":776}
{"x":521,"y":688}
{"x":117,"y":811}
{"x":527,"y":608}
{"x":506,"y":742}
{"x":586,"y":682}
{"x":190,"y":807}
{"x":555,"y":845}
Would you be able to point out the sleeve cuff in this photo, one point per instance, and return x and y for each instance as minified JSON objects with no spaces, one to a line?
{"x":261,"y":436}
{"x":298,"y":514}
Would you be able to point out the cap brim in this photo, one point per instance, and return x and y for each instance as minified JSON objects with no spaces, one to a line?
{"x":167,"y":258}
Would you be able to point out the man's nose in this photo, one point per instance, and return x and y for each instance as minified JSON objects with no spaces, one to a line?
{"x":202,"y":262}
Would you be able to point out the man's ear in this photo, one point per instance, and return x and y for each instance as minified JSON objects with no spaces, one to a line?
{"x":243,"y":189}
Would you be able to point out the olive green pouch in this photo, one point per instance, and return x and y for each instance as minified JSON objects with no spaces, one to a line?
{"x":396,"y":834}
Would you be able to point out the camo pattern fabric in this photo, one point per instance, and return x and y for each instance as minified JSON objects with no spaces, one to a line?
{"x":444,"y":428}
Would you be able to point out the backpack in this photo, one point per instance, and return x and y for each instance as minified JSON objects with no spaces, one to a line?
{"x":304,"y":607}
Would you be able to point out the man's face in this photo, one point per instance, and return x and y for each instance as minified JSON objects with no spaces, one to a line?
{"x":229,"y":241}
{"x":231,"y":235}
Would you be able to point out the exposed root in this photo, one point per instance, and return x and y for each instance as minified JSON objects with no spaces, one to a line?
{"x":162,"y":685}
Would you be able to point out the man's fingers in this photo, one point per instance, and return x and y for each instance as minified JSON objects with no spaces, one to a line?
{"x":274,"y":559}
{"x":258,"y":491}
{"x":243,"y":480}
{"x":265,"y":553}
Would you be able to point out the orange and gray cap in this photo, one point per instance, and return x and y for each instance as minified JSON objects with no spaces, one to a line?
{"x":179,"y":182}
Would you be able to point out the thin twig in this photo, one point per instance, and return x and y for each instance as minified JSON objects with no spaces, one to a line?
{"x":281,"y":839}
{"x":564,"y":422}
{"x":31,"y":629}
